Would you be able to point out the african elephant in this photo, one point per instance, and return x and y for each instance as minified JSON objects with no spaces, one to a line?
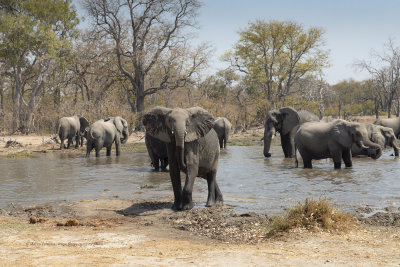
{"x":286,"y":121}
{"x":103,"y":133}
{"x":321,"y":140}
{"x":383,"y":136}
{"x":192,"y":147}
{"x":393,"y":123}
{"x":70,"y":128}
{"x":157,"y":151}
{"x":222,"y":127}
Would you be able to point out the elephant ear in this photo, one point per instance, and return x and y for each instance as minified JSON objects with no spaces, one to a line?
{"x":200,"y":123}
{"x":154,"y":122}
{"x":84,"y":124}
{"x":290,"y":119}
{"x":118,"y":124}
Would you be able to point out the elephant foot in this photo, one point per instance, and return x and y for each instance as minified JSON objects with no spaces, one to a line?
{"x":175,"y":206}
{"x":337,"y":165}
{"x":187,"y":206}
{"x":267,"y":155}
{"x":349,"y":165}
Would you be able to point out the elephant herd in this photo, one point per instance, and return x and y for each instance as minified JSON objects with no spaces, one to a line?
{"x":189,"y":141}
{"x":102,"y":133}
{"x":336,"y":139}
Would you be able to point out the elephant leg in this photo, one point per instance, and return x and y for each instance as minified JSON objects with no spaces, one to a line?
{"x":221,"y":144}
{"x":307,"y":164}
{"x":62,"y":144}
{"x":187,"y":202}
{"x":89,"y":148}
{"x":214,"y":193}
{"x":286,"y":146}
{"x":346,"y":155}
{"x":117,"y":147}
{"x":77,"y":141}
{"x":337,"y":159}
{"x":156,"y":163}
{"x":164,"y":163}
{"x":175,"y":176}
{"x":97,"y":149}
{"x":225,"y":142}
{"x":69,"y":142}
{"x":108,"y":151}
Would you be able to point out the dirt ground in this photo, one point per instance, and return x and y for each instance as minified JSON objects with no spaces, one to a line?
{"x":148,"y":233}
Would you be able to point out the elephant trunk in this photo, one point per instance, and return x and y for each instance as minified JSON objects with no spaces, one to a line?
{"x":395,"y":147}
{"x":180,"y":149}
{"x":268,"y":133}
{"x":125,"y":136}
{"x":374,"y":150}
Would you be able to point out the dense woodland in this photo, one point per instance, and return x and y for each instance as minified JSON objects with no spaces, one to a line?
{"x":132,"y":55}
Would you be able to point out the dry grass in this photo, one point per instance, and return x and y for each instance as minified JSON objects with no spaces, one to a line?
{"x":313,"y":215}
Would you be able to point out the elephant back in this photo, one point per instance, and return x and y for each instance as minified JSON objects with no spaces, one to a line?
{"x":306,"y":116}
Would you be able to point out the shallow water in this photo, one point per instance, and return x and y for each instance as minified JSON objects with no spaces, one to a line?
{"x":248,"y":181}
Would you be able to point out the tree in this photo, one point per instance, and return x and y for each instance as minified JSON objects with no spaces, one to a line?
{"x":147,"y":36}
{"x":276,"y":55}
{"x":385,"y":76}
{"x":34,"y":36}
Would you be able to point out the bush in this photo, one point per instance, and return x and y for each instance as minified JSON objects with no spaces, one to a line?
{"x":313,"y":215}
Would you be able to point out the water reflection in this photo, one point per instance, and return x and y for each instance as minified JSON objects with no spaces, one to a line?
{"x":248,"y":180}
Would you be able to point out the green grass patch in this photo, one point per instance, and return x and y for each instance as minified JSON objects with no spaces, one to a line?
{"x":21,"y":154}
{"x":312,"y":215}
{"x":134,"y":147}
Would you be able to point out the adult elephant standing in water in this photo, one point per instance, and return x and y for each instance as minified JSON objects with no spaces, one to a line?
{"x":321,"y":140}
{"x":71,"y":128}
{"x":393,"y":123}
{"x":222,"y":127}
{"x":193,"y":148}
{"x":286,"y":121}
{"x":103,"y":133}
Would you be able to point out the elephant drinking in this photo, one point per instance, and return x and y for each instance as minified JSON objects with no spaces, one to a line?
{"x":321,"y":140}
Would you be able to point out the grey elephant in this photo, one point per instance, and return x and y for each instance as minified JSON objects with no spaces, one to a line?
{"x":72,"y":128}
{"x":321,"y":140}
{"x":103,"y":133}
{"x":157,"y":151}
{"x":286,"y":121}
{"x":393,"y":123}
{"x":222,"y":127}
{"x":192,"y":147}
{"x":383,"y":136}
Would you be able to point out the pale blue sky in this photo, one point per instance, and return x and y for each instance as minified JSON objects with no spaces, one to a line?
{"x":353,"y":27}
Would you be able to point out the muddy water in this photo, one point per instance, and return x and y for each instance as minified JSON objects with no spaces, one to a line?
{"x":248,"y":181}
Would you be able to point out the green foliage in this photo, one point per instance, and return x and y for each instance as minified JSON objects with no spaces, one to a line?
{"x":275,"y":55}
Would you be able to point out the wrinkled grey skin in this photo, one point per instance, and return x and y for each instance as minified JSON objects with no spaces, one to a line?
{"x":393,"y":123}
{"x":286,"y":121}
{"x":103,"y":133}
{"x":71,"y":128}
{"x":321,"y":140}
{"x":222,"y":127}
{"x":383,"y":136}
{"x":193,"y":148}
{"x":157,"y":151}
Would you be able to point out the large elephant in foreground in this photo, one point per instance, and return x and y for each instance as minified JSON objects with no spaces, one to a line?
{"x":193,"y":148}
{"x":103,"y":133}
{"x":383,"y":136}
{"x":286,"y":121}
{"x":72,"y":128}
{"x":393,"y":123}
{"x":222,"y":127}
{"x":157,"y":151}
{"x":321,"y":140}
